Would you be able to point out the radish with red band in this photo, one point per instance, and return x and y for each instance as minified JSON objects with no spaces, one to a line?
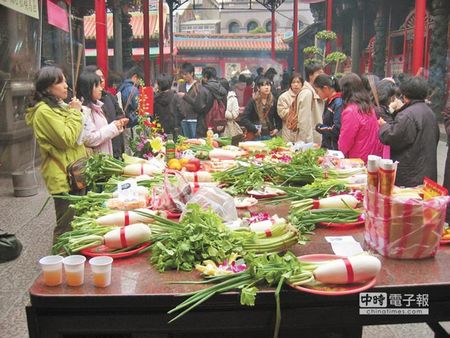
{"x":128,"y":236}
{"x":121,"y":218}
{"x":137,"y":169}
{"x":354,"y":269}
{"x":338,"y":201}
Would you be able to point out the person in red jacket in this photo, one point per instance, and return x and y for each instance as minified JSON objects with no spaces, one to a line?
{"x":447,"y":162}
{"x":359,"y":125}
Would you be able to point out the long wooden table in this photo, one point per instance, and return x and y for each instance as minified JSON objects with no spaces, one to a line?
{"x":136,"y":303}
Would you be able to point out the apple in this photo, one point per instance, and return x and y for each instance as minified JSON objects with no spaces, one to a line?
{"x":195,"y":162}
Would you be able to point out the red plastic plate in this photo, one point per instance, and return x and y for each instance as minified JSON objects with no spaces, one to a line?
{"x":105,"y":251}
{"x":173,"y":215}
{"x":444,"y":241}
{"x":342,"y":225}
{"x":330,"y":289}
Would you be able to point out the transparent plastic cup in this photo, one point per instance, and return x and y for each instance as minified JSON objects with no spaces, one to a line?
{"x":74,"y":270}
{"x":101,"y":270}
{"x":52,"y":270}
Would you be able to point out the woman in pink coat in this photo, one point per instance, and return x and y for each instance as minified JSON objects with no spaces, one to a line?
{"x":97,"y":132}
{"x":359,"y":125}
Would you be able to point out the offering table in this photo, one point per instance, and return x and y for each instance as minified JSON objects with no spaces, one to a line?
{"x":137,"y":301}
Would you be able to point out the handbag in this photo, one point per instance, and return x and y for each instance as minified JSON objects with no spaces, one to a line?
{"x":232,"y":129}
{"x":10,"y":247}
{"x":75,"y":173}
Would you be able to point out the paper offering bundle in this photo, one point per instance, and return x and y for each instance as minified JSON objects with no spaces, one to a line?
{"x":407,"y":228}
{"x":400,"y":222}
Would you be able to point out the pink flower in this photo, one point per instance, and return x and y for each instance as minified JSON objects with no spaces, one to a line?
{"x":258,"y":217}
{"x":140,"y":146}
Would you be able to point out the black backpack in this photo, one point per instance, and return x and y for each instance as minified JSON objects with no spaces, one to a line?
{"x":10,"y":247}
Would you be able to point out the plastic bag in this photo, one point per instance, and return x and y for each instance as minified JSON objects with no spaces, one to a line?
{"x":172,"y":196}
{"x":10,"y":247}
{"x":216,"y":199}
{"x":404,"y":228}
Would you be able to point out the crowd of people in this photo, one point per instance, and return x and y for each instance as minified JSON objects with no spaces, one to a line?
{"x":357,"y":115}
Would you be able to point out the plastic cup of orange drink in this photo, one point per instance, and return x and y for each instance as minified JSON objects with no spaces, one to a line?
{"x":52,"y":270}
{"x":74,"y":270}
{"x":101,"y":270}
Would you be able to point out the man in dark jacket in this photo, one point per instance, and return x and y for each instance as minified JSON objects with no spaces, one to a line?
{"x":167,"y":105}
{"x":188,"y":91}
{"x":413,"y":135}
{"x":130,"y":94}
{"x":210,"y":90}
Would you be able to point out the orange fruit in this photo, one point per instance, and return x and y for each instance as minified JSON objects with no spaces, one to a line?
{"x":174,"y":164}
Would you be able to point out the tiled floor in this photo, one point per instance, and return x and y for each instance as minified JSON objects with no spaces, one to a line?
{"x":19,"y":217}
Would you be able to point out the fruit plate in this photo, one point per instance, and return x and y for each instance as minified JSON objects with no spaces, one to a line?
{"x":103,"y":250}
{"x":245,"y":202}
{"x":341,"y":225}
{"x":330,"y":289}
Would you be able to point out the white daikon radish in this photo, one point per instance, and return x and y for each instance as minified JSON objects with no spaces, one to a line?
{"x":338,"y":201}
{"x":122,"y":218}
{"x":261,"y":226}
{"x":137,"y":169}
{"x":202,"y":176}
{"x":358,"y":269}
{"x":131,"y":235}
{"x":222,"y":154}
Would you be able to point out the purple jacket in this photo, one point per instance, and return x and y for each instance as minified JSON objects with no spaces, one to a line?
{"x":359,"y":134}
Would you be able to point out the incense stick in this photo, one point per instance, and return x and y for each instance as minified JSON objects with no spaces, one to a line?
{"x":77,"y":68}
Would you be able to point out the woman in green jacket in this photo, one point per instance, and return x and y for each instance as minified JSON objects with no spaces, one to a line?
{"x":57,"y":127}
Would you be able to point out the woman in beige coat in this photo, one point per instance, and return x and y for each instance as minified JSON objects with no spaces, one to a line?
{"x":289,"y":133}
{"x":310,"y":106}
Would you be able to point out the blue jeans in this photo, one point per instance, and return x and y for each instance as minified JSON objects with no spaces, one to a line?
{"x":188,"y":127}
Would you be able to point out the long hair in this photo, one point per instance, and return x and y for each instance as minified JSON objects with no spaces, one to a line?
{"x":86,"y":83}
{"x":45,"y":78}
{"x":353,"y":91}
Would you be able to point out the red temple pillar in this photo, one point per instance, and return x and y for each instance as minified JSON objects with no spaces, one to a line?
{"x":329,"y":22}
{"x":145,"y":8}
{"x":161,"y":36}
{"x":101,"y":37}
{"x":273,"y":35}
{"x":295,"y":29}
{"x":419,"y":32}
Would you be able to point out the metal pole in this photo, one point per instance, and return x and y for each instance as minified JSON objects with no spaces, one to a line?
{"x":171,"y":37}
{"x":295,"y":29}
{"x":329,"y":22}
{"x":161,"y":36}
{"x":146,"y":43}
{"x":419,"y":33}
{"x":102,"y":39}
{"x":273,"y":34}
{"x":117,"y":27}
{"x":74,"y":85}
